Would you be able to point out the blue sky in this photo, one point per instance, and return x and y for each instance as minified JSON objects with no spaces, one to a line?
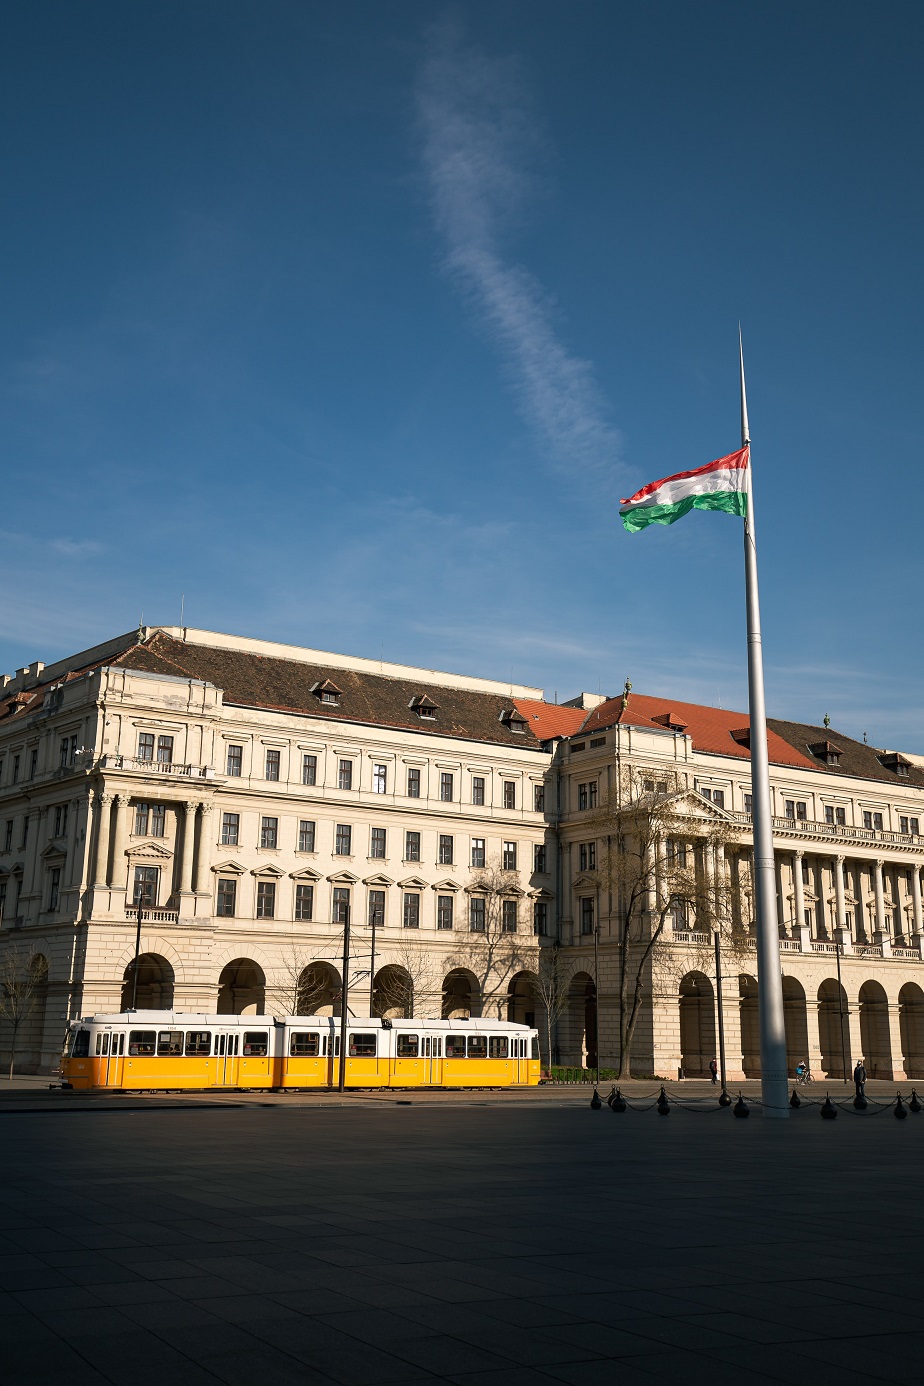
{"x":353,"y":323}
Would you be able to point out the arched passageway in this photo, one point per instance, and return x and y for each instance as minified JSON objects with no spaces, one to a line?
{"x":393,"y":993}
{"x":241,"y":988}
{"x":833,"y":1029}
{"x":875,"y":1040}
{"x":795,"y":1019}
{"x":749,"y":1014}
{"x":521,"y":999}
{"x":696,"y":998}
{"x":581,"y":1017}
{"x":460,"y":994}
{"x":318,"y":989}
{"x":155,"y":984}
{"x":911,"y":1026}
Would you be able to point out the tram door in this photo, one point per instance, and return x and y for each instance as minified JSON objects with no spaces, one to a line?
{"x":519,"y":1062}
{"x":112,"y":1057}
{"x":227,"y":1058}
{"x":433,"y":1059}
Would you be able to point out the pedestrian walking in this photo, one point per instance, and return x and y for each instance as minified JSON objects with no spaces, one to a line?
{"x":859,"y":1078}
{"x":714,"y":1070}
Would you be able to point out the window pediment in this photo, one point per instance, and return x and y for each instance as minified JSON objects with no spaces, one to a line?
{"x":445,"y":886}
{"x":230,"y":868}
{"x":413,"y":883}
{"x":377,"y":881}
{"x":268,"y":872}
{"x":306,"y":874}
{"x":344,"y":878}
{"x":148,"y":851}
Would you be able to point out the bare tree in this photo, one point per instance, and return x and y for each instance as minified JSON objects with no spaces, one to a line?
{"x":303,"y":982}
{"x":20,"y":983}
{"x":496,"y":949}
{"x":551,"y":985}
{"x":406,"y":980}
{"x":659,"y":847}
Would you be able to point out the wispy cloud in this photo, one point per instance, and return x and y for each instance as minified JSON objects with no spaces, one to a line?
{"x":479,"y":144}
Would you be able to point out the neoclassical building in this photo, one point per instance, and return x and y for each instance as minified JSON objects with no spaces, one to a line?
{"x":249,"y":798}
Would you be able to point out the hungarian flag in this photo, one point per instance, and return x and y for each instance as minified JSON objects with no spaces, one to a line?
{"x":720,"y":485}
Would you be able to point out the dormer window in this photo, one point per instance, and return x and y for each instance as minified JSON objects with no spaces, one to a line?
{"x":514,"y":720}
{"x":672,"y":723}
{"x":424,"y":706}
{"x":893,"y":761}
{"x":826,"y":752}
{"x":327,"y":692}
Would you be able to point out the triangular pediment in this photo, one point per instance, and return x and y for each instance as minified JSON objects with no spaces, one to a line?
{"x":148,"y":851}
{"x":541,"y":894}
{"x":229,"y":868}
{"x":377,"y":881}
{"x":306,"y":874}
{"x":446,"y":885}
{"x":54,"y":849}
{"x":413,"y":883}
{"x":692,"y":802}
{"x":344,"y":878}
{"x":582,"y":881}
{"x":268,"y":870}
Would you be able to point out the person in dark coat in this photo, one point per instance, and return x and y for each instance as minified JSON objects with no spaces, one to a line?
{"x":859,"y":1078}
{"x":714,"y":1070}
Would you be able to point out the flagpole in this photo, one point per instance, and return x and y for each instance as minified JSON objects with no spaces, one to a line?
{"x":773,"y":1072}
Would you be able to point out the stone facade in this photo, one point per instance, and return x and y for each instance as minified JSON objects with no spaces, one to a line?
{"x":252,"y":796}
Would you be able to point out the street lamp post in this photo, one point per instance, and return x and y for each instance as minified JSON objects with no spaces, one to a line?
{"x":344,"y":992}
{"x":718,"y":996}
{"x":840,"y":1007}
{"x":140,"y":899}
{"x":374,"y":915}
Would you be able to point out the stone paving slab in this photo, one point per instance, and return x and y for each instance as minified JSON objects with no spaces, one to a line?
{"x":508,"y":1244}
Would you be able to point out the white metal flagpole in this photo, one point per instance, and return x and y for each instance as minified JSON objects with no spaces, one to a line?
{"x":773,"y":1081}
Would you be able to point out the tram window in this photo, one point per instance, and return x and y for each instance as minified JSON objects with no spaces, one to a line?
{"x":305,"y":1044}
{"x":170,"y":1043}
{"x":362,"y":1046}
{"x":455,"y":1046}
{"x":82,"y":1044}
{"x":497,"y":1047}
{"x":408,"y":1046}
{"x":256,"y":1044}
{"x":142,"y":1042}
{"x":220,"y":1046}
{"x":199,"y":1042}
{"x":437,"y":1048}
{"x":120,"y":1041}
{"x":477,"y":1046}
{"x":534,"y":1043}
{"x":102,"y":1043}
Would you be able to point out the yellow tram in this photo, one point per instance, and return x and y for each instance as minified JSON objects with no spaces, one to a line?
{"x":171,"y":1049}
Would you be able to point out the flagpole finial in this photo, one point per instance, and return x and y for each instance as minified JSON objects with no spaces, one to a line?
{"x":745,"y":428}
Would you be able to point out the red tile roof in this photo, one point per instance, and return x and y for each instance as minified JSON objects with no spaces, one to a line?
{"x":711,"y":728}
{"x":548,"y":720}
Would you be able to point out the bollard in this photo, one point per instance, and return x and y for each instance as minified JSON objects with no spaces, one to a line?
{"x":828,"y":1109}
{"x":611,"y":1096}
{"x":724,"y":1099}
{"x":741,"y":1107}
{"x":595,"y":1101}
{"x":901,"y":1111}
{"x":664,"y":1106}
{"x":914,"y":1105}
{"x":860,"y":1102}
{"x":618,"y":1103}
{"x":794,"y":1100}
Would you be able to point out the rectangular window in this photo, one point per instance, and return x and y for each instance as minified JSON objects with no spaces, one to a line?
{"x":62,"y":753}
{"x":592,"y":794}
{"x":455,"y":1046}
{"x":748,"y":801}
{"x":25,"y":832}
{"x":16,"y":769}
{"x":829,"y":813}
{"x":539,"y":858}
{"x":165,"y":750}
{"x":345,"y":775}
{"x":411,"y":910}
{"x":146,"y":746}
{"x":801,"y":810}
{"x":582,"y":796}
{"x":61,"y":821}
{"x":718,"y":798}
{"x":877,"y":822}
{"x":587,"y":915}
{"x":509,"y":916}
{"x":412,"y":846}
{"x":377,"y":844}
{"x":158,"y":819}
{"x":256,"y":1045}
{"x":477,"y":789}
{"x":54,"y":887}
{"x":343,"y":840}
{"x":234,"y":762}
{"x":230,"y":829}
{"x":362,"y":1046}
{"x":8,"y":836}
{"x":446,"y":786}
{"x":199,"y":1043}
{"x":587,"y":856}
{"x":376,"y":908}
{"x":478,"y":857}
{"x":33,"y":764}
{"x":266,"y":899}
{"x":341,"y":904}
{"x":477,"y":1046}
{"x":309,"y":769}
{"x":72,"y":751}
{"x":271,"y":771}
{"x":380,"y":779}
{"x":304,"y":901}
{"x":169,"y":1043}
{"x":413,"y":784}
{"x":146,"y":882}
{"x":142,"y":819}
{"x":227,"y":897}
{"x":498,"y":1047}
{"x":510,"y":794}
{"x":141,"y":1043}
{"x":509,"y":858}
{"x":867,"y":819}
{"x":306,"y":835}
{"x":444,"y":911}
{"x":476,"y":914}
{"x":445,"y":851}
{"x":539,"y":798}
{"x":304,"y":1044}
{"x":540,"y":918}
{"x":407,"y":1046}
{"x":914,"y":826}
{"x":269,"y":832}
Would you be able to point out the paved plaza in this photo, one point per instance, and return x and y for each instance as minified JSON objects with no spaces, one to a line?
{"x":479,"y":1241}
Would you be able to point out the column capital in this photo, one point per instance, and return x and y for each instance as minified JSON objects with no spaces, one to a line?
{"x":103,"y":796}
{"x":121,"y":798}
{"x":206,"y":809}
{"x":799,"y":852}
{"x":840,"y":858}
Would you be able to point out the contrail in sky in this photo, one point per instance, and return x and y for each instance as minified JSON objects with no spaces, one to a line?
{"x":478,"y":141}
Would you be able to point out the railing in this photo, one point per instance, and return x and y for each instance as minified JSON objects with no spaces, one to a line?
{"x":158,"y":767}
{"x":874,"y":950}
{"x":823,"y":947}
{"x":905,"y":953}
{"x":684,"y":936}
{"x":790,"y":945}
{"x":834,"y":831}
{"x":152,"y":916}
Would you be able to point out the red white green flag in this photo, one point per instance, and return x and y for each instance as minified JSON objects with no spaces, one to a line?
{"x":720,"y":485}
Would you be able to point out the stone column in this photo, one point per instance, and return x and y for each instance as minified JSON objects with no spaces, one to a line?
{"x":798,"y":890}
{"x":840,"y":909}
{"x":203,"y":850}
{"x":814,"y":1039}
{"x":916,"y":902}
{"x":188,"y":820}
{"x":120,"y":816}
{"x":100,"y":871}
{"x":880,"y":901}
{"x":73,"y":814}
